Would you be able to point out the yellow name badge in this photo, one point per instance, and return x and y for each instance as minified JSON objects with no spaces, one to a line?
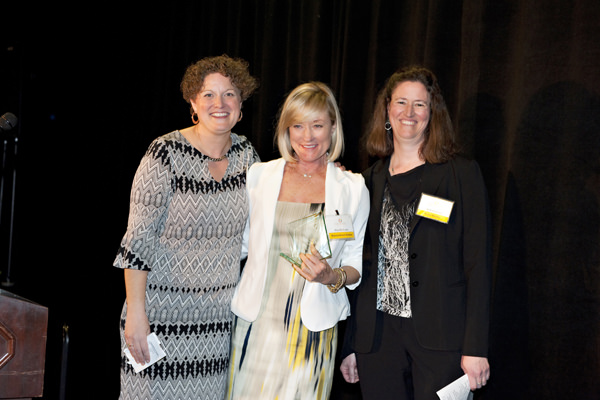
{"x":339,"y":227}
{"x":435,"y":208}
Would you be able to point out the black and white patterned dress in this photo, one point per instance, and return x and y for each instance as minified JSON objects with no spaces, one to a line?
{"x":186,"y":230}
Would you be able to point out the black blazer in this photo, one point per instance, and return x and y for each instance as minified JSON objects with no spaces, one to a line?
{"x":450,"y":264}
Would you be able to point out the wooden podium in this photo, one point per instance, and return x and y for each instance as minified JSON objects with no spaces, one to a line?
{"x":23,"y":327}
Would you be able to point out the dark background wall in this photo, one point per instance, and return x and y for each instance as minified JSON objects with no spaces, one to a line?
{"x":93,"y":84}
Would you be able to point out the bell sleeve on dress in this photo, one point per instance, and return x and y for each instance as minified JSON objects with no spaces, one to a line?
{"x":150,"y":196}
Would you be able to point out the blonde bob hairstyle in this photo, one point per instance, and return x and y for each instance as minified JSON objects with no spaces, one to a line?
{"x":304,"y":103}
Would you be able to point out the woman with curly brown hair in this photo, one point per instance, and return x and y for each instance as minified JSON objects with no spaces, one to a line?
{"x":181,"y":251}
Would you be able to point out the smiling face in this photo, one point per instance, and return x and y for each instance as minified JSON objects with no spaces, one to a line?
{"x":311,"y":139}
{"x":218,"y":104}
{"x":409,"y":111}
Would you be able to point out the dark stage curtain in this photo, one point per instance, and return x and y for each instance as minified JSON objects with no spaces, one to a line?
{"x":93,"y":84}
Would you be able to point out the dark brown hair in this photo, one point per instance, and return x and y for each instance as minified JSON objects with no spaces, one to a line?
{"x":439,"y":144}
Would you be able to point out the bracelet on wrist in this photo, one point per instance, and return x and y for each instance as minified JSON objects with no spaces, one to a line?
{"x":341,"y":282}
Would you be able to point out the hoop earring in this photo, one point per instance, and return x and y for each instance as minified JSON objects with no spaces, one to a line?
{"x":388,"y":126}
{"x":195,"y":118}
{"x":241,"y":115}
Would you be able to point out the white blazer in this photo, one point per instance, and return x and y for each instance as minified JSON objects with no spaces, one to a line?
{"x":346,"y":193}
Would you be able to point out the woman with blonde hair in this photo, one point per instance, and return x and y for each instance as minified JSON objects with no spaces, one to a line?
{"x":285,"y":330}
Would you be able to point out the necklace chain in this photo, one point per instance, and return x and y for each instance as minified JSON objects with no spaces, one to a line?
{"x":215,"y":159}
{"x":304,"y":174}
{"x":209,"y":158}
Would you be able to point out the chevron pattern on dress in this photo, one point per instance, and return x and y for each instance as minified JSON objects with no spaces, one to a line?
{"x":185,"y":229}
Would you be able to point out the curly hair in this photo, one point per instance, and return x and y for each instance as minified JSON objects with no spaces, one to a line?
{"x":439,"y":144}
{"x":236,"y":69}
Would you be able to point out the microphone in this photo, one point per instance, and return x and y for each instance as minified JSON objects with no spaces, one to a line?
{"x":8,"y":121}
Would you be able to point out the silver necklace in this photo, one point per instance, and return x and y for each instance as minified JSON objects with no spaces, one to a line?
{"x":296,"y":169}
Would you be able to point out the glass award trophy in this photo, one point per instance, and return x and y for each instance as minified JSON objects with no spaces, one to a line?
{"x":305,"y":231}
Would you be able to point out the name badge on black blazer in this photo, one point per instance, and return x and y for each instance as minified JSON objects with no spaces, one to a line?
{"x":434,"y":208}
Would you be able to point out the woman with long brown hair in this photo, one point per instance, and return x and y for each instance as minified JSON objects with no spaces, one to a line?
{"x":420,"y":316}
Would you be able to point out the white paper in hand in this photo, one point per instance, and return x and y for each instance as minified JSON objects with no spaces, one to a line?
{"x":457,"y":390}
{"x":156,"y":353}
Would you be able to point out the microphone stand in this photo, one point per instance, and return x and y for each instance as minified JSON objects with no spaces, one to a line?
{"x":2,"y":178}
{"x":7,"y":281}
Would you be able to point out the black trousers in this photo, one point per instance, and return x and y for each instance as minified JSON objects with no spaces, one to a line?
{"x":400,"y":368}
